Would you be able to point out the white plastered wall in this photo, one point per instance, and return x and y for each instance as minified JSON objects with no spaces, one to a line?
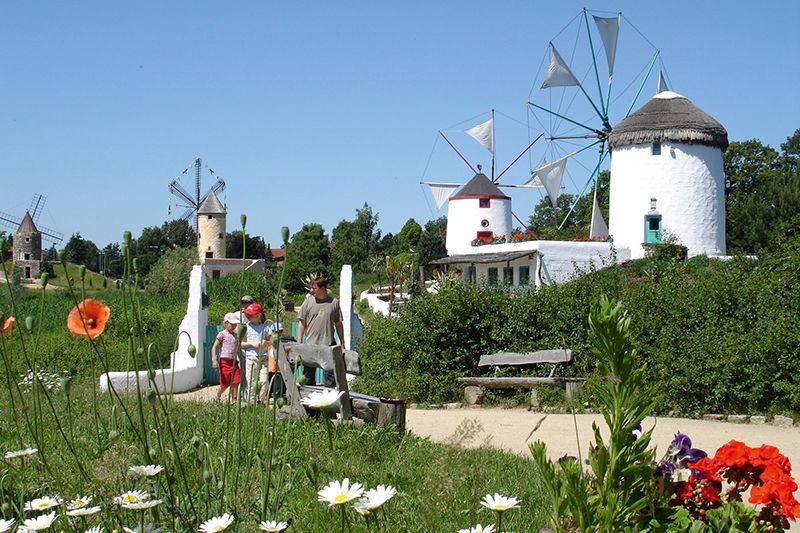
{"x":186,"y":371}
{"x":688,"y":183}
{"x":464,"y":218}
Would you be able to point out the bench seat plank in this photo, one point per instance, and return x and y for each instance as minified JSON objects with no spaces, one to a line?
{"x":527,"y":358}
{"x":517,"y":382}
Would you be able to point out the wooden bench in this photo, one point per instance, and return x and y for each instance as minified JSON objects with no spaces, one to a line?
{"x":383,"y":411}
{"x":506,"y":359}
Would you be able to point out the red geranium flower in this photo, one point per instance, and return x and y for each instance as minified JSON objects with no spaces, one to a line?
{"x":95,"y":314}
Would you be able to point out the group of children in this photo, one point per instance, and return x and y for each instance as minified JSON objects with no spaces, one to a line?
{"x":250,"y":362}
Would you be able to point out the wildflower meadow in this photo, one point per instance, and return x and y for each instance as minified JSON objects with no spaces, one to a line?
{"x":78,"y":460}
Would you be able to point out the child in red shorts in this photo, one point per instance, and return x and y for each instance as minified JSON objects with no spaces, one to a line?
{"x":228,"y":345}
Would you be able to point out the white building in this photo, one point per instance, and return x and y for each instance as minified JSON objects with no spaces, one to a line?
{"x":667,"y":175}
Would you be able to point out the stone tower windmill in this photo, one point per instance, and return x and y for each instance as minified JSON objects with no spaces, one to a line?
{"x":28,"y":236}
{"x":211,"y":219}
{"x":28,"y":247}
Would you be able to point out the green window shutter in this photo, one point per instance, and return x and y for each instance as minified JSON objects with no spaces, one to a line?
{"x":472,"y":275}
{"x":492,"y":276}
{"x":655,"y":149}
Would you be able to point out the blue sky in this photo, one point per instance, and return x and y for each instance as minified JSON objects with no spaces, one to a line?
{"x":310,"y":109}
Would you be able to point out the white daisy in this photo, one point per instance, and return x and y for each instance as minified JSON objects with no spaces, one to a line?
{"x":6,"y":525}
{"x":478,"y":529}
{"x":322,"y":399}
{"x":273,"y":526}
{"x":140,"y":505}
{"x":83,"y":511}
{"x":42,"y":504}
{"x":337,"y":493}
{"x":146,"y":470}
{"x":40,"y":523}
{"x":499,"y":503}
{"x":132,"y":496}
{"x":216,"y":524}
{"x":20,"y":453}
{"x":148,"y":528}
{"x":374,"y":498}
{"x":79,"y":502}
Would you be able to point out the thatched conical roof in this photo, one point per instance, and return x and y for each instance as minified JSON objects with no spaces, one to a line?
{"x":669,"y":117}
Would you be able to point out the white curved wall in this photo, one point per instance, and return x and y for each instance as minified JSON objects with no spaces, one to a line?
{"x":688,"y":182}
{"x":185,"y":371}
{"x":210,"y":229}
{"x":464,"y":218}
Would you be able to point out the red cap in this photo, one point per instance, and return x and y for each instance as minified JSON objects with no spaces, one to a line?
{"x":253,"y":309}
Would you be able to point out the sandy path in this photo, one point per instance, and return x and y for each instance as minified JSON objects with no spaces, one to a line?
{"x":508,"y":429}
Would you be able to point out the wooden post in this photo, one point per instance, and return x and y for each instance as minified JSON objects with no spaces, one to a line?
{"x":392,"y":411}
{"x":341,"y":382}
{"x":292,"y":392}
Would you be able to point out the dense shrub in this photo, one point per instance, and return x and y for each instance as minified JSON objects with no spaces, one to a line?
{"x":715,"y":336}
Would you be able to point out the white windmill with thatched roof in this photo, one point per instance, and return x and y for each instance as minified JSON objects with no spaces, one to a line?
{"x":667,"y":175}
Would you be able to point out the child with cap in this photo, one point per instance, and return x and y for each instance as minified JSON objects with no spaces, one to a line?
{"x":227,"y":343}
{"x":254,"y":353}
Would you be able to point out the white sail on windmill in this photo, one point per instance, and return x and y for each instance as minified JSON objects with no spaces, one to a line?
{"x":574,"y":102}
{"x":484,"y":134}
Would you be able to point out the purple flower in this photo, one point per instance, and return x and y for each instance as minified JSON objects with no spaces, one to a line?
{"x":636,"y":432}
{"x":667,"y":468}
{"x":692,"y":455}
{"x":680,"y":444}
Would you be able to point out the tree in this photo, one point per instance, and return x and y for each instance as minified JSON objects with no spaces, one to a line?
{"x":81,"y":251}
{"x":172,"y":270}
{"x":255,"y":248}
{"x":409,"y":236}
{"x":113,"y":262}
{"x":353,"y":242}
{"x":432,"y":243}
{"x":178,"y":233}
{"x":309,"y":251}
{"x":762,"y":194}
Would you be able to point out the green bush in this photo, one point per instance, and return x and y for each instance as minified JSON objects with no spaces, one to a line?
{"x":714,"y":336}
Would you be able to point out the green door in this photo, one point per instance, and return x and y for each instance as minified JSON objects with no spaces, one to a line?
{"x":210,"y":374}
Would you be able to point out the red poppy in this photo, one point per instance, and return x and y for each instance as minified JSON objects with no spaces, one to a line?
{"x":96,"y":315}
{"x":8,"y":324}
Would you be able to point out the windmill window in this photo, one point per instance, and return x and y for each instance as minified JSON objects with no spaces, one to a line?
{"x":27,"y":239}
{"x":27,"y":257}
{"x":485,"y":236}
{"x":483,"y":202}
{"x":655,"y":149}
{"x":209,"y":217}
{"x":209,"y":255}
{"x":220,"y":235}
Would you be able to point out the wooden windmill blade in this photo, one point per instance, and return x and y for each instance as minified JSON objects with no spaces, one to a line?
{"x":37,"y":205}
{"x":218,"y":186}
{"x":176,"y":189}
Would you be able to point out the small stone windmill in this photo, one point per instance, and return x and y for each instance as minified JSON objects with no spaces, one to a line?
{"x":193,"y":202}
{"x":27,"y":248}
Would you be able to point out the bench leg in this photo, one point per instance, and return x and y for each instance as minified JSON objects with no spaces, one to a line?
{"x":572,"y":387}
{"x":534,"y":405}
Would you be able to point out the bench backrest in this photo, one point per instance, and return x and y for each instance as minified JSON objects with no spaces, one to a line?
{"x":527,"y":358}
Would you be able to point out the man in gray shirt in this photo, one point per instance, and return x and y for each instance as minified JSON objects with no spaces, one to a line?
{"x":319,"y":316}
